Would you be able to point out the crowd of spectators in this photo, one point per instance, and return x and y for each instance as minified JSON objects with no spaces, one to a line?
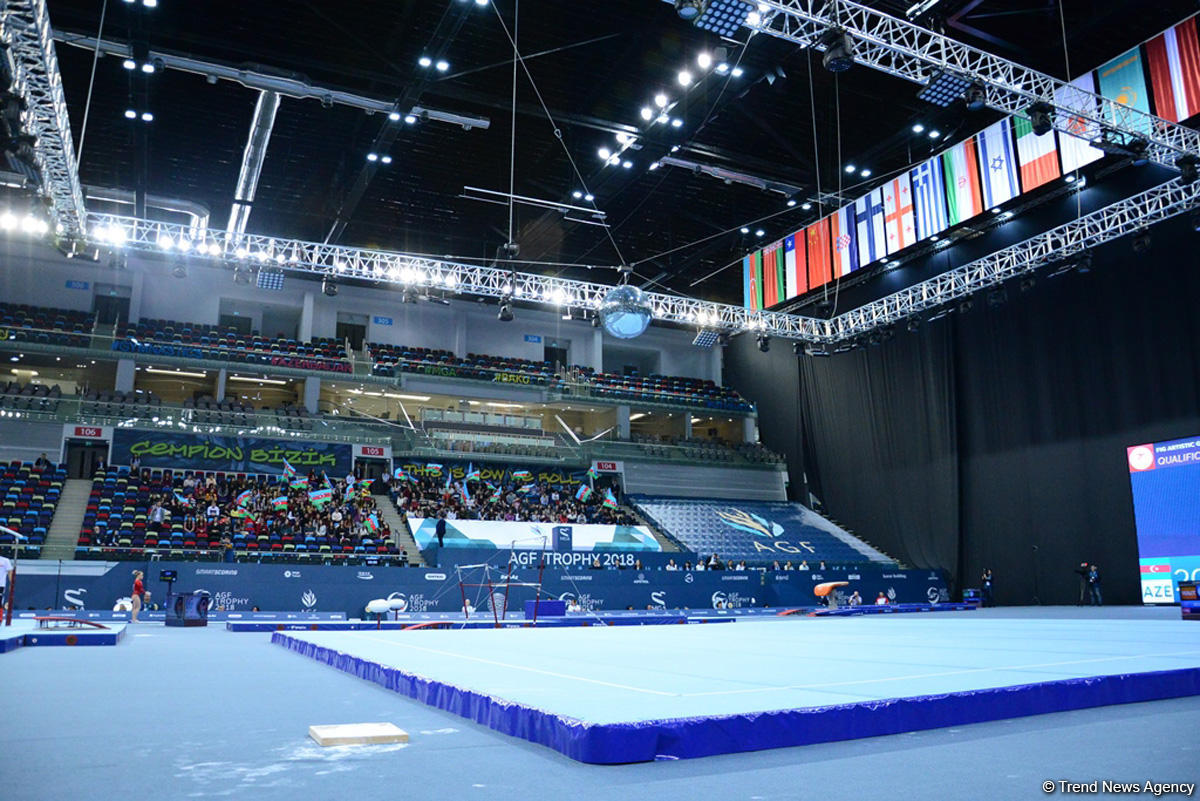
{"x":523,"y":501}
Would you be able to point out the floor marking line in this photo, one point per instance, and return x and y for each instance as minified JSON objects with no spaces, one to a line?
{"x":933,"y":675}
{"x":514,"y":667}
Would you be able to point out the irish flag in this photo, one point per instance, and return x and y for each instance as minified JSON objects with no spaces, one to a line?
{"x":1037,"y":155}
{"x":964,"y":197}
{"x":1174,"y":58}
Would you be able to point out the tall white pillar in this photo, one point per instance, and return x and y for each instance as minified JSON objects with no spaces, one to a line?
{"x":125,"y":375}
{"x":623,"y":422}
{"x":305,"y":332}
{"x":219,"y":389}
{"x":312,"y":393}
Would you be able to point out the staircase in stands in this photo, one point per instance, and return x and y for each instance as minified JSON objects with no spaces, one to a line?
{"x":665,"y":540}
{"x":63,"y":534}
{"x":400,"y":533}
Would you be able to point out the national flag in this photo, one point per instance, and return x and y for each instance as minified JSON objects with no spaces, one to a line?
{"x":844,"y":235}
{"x":433,"y":469}
{"x":593,"y":473}
{"x":1036,"y":155}
{"x":929,"y":192}
{"x":364,"y":488}
{"x":242,"y":513}
{"x":288,"y":470}
{"x":320,"y":496}
{"x":1075,"y":137}
{"x":752,"y":280}
{"x":464,"y":493}
{"x":774,"y":281}
{"x":473,"y":474}
{"x":610,"y":500}
{"x":525,"y":489}
{"x":349,"y":493}
{"x":868,"y":221}
{"x":522,"y":475}
{"x":999,"y":164}
{"x":583,"y":493}
{"x":820,"y":253}
{"x":243,"y":498}
{"x":298,"y":482}
{"x":1123,"y":80}
{"x":183,"y":500}
{"x":496,"y":494}
{"x":1174,"y":58}
{"x":964,"y":199}
{"x":400,"y":474}
{"x":371,"y":523}
{"x":279,"y":503}
{"x":795,"y":263}
{"x":898,"y":224}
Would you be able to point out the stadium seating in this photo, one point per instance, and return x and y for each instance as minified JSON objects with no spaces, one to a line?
{"x":28,"y":497}
{"x":669,"y":389}
{"x":30,"y":397}
{"x":119,"y":404}
{"x":759,"y":532}
{"x":228,"y":344}
{"x":117,"y":523}
{"x":705,"y":450}
{"x":45,"y":325}
{"x":387,"y":360}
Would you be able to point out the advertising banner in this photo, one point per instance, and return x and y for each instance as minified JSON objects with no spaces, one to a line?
{"x":231,"y":454}
{"x":506,"y":534}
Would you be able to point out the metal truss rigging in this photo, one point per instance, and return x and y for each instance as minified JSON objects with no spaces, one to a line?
{"x":1058,"y":244}
{"x":908,"y":51}
{"x":25,"y":32}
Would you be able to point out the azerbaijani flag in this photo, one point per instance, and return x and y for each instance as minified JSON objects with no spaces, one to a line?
{"x":462,"y":490}
{"x":320,"y":496}
{"x":522,"y":475}
{"x":496,"y":493}
{"x":592,"y":472}
{"x":752,"y":280}
{"x":400,"y":474}
{"x":183,"y":500}
{"x":279,"y":503}
{"x":244,"y":497}
{"x":328,"y":485}
{"x":964,"y":199}
{"x":1037,"y":155}
{"x":364,"y":488}
{"x":433,"y":469}
{"x":1174,"y":57}
{"x":288,"y":470}
{"x":299,"y":482}
{"x":583,"y":493}
{"x":372,"y":523}
{"x":473,"y":473}
{"x":525,"y":490}
{"x":610,"y":500}
{"x":240,"y":513}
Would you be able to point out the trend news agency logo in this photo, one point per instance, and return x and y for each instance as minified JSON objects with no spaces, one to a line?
{"x":1141,"y":457}
{"x":749,"y":522}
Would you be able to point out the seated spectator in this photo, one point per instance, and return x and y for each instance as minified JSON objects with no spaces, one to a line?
{"x":671,"y":565}
{"x":803,"y":565}
{"x":687,"y":565}
{"x":595,"y":565}
{"x":855,"y":599}
{"x":573,"y":607}
{"x":788,"y":566}
{"x":740,"y":565}
{"x":881,"y":600}
{"x":41,"y":462}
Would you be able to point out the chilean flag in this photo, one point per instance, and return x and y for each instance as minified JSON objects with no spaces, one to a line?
{"x":795,"y":264}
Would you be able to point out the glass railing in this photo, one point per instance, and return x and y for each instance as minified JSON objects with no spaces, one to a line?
{"x":107,"y":553}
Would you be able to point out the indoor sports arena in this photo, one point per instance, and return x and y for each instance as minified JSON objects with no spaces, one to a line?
{"x":599,"y":399}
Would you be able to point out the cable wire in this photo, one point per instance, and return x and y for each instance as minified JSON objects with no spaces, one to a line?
{"x":87,"y":106}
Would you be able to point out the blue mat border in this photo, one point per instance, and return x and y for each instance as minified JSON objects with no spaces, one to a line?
{"x":687,"y":738}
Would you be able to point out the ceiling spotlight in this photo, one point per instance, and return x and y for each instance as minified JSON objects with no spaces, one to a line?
{"x":647,"y":113}
{"x":918,"y":128}
{"x":737,"y":72}
{"x":130,"y":114}
{"x":764,"y":342}
{"x":791,"y":202}
{"x":1141,"y":241}
{"x":722,"y":68}
{"x":329,"y":287}
{"x":654,"y":165}
{"x":129,"y":64}
{"x":372,"y":157}
{"x":410,"y":119}
{"x":704,"y":61}
{"x":627,"y":164}
{"x":684,"y":77}
{"x":506,"y":312}
{"x":481,"y":2}
{"x":442,"y":65}
{"x":745,"y":231}
{"x":604,"y":153}
{"x":661,"y":100}
{"x":865,"y":173}
{"x":589,"y":197}
{"x":805,"y":206}
{"x":1040,"y":118}
{"x":996,"y":210}
{"x":1069,"y":178}
{"x":577,"y":194}
{"x":386,"y":159}
{"x":689,"y":10}
{"x":760,"y":233}
{"x":935,"y":133}
{"x":614,"y":159}
{"x":839,"y":55}
{"x":944,"y":88}
{"x":425,"y":61}
{"x":850,"y":168}
{"x":148,"y":68}
{"x":147,"y":116}
{"x":676,"y":123}
{"x":754,"y":19}
{"x":150,"y":3}
{"x":394,"y":116}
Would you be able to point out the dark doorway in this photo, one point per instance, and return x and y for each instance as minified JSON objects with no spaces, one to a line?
{"x":370,"y":469}
{"x":352,"y":331}
{"x":110,"y":309}
{"x":84,"y":456}
{"x":556,"y":356}
{"x":242,"y":325}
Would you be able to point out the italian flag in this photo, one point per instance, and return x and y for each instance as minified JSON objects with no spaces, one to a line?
{"x":1037,"y":155}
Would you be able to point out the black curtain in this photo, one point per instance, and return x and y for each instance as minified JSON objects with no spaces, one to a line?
{"x":996,"y":438}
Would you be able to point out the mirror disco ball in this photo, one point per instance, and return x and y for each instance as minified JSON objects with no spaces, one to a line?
{"x":624,"y":312}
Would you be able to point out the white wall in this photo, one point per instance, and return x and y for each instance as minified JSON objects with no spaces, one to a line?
{"x":39,"y":276}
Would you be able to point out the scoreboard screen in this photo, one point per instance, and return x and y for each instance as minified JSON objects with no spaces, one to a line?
{"x":1165,"y":478}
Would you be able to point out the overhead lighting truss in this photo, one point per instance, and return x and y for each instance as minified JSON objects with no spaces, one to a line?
{"x":908,"y":51}
{"x":732,"y":176}
{"x":25,"y":33}
{"x":1063,"y":243}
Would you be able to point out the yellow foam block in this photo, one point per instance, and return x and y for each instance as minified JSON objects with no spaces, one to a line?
{"x":357,"y":734}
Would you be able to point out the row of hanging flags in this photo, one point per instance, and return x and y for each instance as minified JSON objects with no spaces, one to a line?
{"x":984,"y":171}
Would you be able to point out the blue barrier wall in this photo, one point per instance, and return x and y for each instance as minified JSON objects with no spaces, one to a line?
{"x":97,"y":585}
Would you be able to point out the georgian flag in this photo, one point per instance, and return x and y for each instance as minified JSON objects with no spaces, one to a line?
{"x":845,"y":242}
{"x":929,"y":192}
{"x":898,"y":223}
{"x":999,"y":164}
{"x":868,"y":220}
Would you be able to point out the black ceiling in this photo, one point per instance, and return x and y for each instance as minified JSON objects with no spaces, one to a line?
{"x":595,"y":64}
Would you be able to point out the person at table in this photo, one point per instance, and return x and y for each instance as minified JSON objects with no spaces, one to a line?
{"x":881,"y":600}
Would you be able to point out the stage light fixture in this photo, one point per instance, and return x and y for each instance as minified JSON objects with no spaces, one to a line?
{"x":394,"y":116}
{"x":689,"y":10}
{"x":722,"y":68}
{"x":329,"y":287}
{"x":944,"y":88}
{"x":676,"y":123}
{"x":1040,"y":118}
{"x":704,"y":61}
{"x":851,"y":169}
{"x":410,"y":119}
{"x":839,"y":53}
{"x":791,"y":201}
{"x":760,"y":233}
{"x":442,"y":65}
{"x":764,"y":342}
{"x":1196,"y":221}
{"x":805,"y":206}
{"x":661,"y":100}
{"x":976,"y":97}
{"x":179,"y":270}
{"x":1141,"y":241}
{"x":966,"y":305}
{"x":147,"y":116}
{"x":918,"y":128}
{"x":865,"y":173}
{"x":148,"y":68}
{"x":1187,"y":165}
{"x":647,"y":113}
{"x":744,"y":230}
{"x":130,"y":114}
{"x":913,"y":324}
{"x":425,"y":61}
{"x":129,"y":64}
{"x":684,"y":78}
{"x":506,"y":313}
{"x":737,"y":72}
